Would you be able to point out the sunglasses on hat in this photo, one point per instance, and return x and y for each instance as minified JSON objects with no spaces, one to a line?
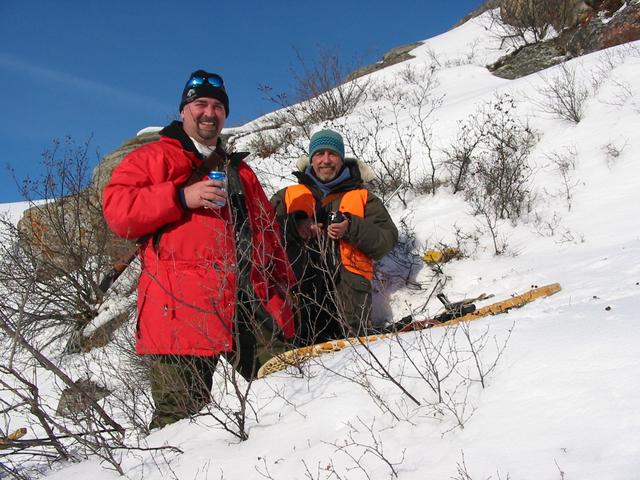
{"x":212,"y":79}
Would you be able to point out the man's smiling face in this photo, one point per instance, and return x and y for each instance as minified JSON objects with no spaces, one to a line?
{"x":326,"y":164}
{"x":203,"y":119}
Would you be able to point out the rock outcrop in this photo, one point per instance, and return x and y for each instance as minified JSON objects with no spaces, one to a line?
{"x":606,"y":24}
{"x":559,"y":14}
{"x":63,"y":233}
{"x":102,"y":173}
{"x":393,"y":56}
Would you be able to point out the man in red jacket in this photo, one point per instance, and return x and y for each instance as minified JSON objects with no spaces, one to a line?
{"x":213,"y":270}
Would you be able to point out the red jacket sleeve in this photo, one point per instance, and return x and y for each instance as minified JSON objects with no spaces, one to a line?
{"x":281,"y":269}
{"x":142,"y":194}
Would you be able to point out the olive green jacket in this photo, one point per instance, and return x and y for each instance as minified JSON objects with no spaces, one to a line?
{"x":375,"y":235}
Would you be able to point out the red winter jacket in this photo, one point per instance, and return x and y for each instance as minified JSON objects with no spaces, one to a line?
{"x":187,"y":287}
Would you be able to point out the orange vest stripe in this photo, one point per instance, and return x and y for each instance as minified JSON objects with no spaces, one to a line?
{"x":300,"y":198}
{"x":353,"y":258}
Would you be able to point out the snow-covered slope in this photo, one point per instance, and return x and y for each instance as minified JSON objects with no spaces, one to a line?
{"x":561,"y":402}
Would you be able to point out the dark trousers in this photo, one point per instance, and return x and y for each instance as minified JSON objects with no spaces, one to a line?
{"x":181,"y":384}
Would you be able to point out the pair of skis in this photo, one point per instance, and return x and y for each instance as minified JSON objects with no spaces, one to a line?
{"x":464,"y":311}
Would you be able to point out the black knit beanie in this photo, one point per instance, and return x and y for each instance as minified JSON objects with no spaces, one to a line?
{"x":190,"y":92}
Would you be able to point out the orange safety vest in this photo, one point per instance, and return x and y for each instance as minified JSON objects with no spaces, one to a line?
{"x":300,"y":198}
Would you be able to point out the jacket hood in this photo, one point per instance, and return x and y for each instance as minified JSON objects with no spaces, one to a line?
{"x":174,"y":130}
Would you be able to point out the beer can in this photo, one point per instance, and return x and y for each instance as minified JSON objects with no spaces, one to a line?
{"x":222,"y":177}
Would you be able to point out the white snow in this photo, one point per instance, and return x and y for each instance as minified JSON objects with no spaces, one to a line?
{"x":13,"y":211}
{"x":148,"y":130}
{"x":562,"y":402}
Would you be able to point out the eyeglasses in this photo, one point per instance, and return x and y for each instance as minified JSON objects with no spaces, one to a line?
{"x":213,"y":80}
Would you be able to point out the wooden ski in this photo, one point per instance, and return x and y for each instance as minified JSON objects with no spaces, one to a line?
{"x":12,"y":437}
{"x":302,"y":354}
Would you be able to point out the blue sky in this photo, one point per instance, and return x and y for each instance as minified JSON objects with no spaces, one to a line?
{"x":101,"y":71}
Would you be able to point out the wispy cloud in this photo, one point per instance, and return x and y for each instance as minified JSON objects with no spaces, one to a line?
{"x":66,"y":80}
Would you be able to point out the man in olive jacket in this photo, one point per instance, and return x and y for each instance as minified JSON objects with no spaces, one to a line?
{"x":334,"y":229}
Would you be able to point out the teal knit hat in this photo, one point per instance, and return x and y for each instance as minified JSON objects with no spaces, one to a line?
{"x":326,"y":140}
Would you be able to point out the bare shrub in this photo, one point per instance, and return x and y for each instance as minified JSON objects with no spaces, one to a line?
{"x":362,"y":455}
{"x":126,"y":374}
{"x":563,"y":94}
{"x":547,"y":227}
{"x":49,"y":275}
{"x":358,"y":450}
{"x":552,"y":227}
{"x":461,"y":154}
{"x":381,"y":136}
{"x":424,"y":102}
{"x":50,"y":269}
{"x":620,"y":92}
{"x":477,"y":345}
{"x":609,"y":60}
{"x":489,"y":162}
{"x":560,"y":471}
{"x":52,"y":262}
{"x":466,"y":242}
{"x":378,"y":151}
{"x":462,"y":472}
{"x":393,"y":146}
{"x":613,"y":150}
{"x":267,"y":143}
{"x":381,"y":378}
{"x":565,"y":163}
{"x":92,"y":432}
{"x":501,"y":171}
{"x":437,"y":362}
{"x":431,"y":54}
{"x":522,"y":22}
{"x":623,"y":92}
{"x":230,"y":405}
{"x":367,"y":370}
{"x":484,"y":209}
{"x":429,"y":186}
{"x":321,"y":93}
{"x":447,"y":361}
{"x":465,"y":59}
